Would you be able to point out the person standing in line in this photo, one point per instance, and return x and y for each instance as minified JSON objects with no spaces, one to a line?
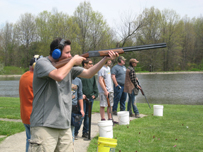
{"x":77,"y":100}
{"x":105,"y":87}
{"x":50,"y":119}
{"x":118,"y":73}
{"x":132,"y":87}
{"x":26,"y":97}
{"x":90,"y":91}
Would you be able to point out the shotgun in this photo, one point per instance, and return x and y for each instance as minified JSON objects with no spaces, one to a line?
{"x":143,"y":93}
{"x":102,"y":53}
{"x":89,"y":115}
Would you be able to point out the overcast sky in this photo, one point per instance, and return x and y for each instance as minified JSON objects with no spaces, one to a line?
{"x":11,"y":10}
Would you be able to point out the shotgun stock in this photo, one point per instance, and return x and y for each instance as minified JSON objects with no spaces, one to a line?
{"x":102,"y":53}
{"x":107,"y":98}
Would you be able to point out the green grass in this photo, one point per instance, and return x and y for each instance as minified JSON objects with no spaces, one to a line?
{"x":180,"y":129}
{"x":9,"y":128}
{"x":9,"y":108}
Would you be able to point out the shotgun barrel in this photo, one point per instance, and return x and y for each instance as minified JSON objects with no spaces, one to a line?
{"x":100,"y":53}
{"x":89,"y":116}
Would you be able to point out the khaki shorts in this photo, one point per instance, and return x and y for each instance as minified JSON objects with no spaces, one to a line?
{"x":103,"y":100}
{"x":44,"y":139}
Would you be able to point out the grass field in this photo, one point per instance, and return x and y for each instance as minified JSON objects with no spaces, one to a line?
{"x":10,"y":109}
{"x":180,"y":128}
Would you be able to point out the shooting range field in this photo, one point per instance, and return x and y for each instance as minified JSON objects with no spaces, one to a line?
{"x":179,"y":129}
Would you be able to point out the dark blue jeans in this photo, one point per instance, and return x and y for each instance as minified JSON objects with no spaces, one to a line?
{"x":131,"y":101}
{"x":86,"y":118}
{"x":119,"y":95}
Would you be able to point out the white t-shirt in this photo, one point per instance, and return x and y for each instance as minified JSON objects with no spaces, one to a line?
{"x":105,"y":72}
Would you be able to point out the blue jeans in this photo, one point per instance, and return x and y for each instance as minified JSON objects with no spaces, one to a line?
{"x":86,"y":118}
{"x":119,"y":95}
{"x":73,"y":132}
{"x":131,"y":101}
{"x":28,"y":135}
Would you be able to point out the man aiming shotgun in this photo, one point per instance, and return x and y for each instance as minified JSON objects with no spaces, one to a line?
{"x":101,"y":53}
{"x":50,"y":120}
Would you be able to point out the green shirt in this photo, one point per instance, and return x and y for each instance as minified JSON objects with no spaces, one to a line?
{"x":89,"y":87}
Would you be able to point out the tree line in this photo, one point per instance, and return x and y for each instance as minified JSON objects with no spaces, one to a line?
{"x":88,"y":31}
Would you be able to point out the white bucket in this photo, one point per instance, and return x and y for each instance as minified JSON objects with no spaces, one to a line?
{"x":106,"y":128}
{"x":158,"y":110}
{"x":123,"y":117}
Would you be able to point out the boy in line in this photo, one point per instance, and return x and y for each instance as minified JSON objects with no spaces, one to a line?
{"x":105,"y":87}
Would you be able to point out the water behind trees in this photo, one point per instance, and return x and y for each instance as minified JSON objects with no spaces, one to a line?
{"x":158,"y":88}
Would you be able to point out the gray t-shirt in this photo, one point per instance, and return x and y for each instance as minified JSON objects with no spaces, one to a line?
{"x":119,"y":72}
{"x":52,"y":103}
{"x":105,"y":72}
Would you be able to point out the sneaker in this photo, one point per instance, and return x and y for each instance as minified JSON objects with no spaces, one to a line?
{"x":103,"y":119}
{"x":114,"y":112}
{"x":137,"y":116}
{"x":76,"y":137}
{"x":132,"y":115}
{"x":85,"y":135}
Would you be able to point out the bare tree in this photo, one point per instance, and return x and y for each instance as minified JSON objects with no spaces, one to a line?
{"x":130,"y":25}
